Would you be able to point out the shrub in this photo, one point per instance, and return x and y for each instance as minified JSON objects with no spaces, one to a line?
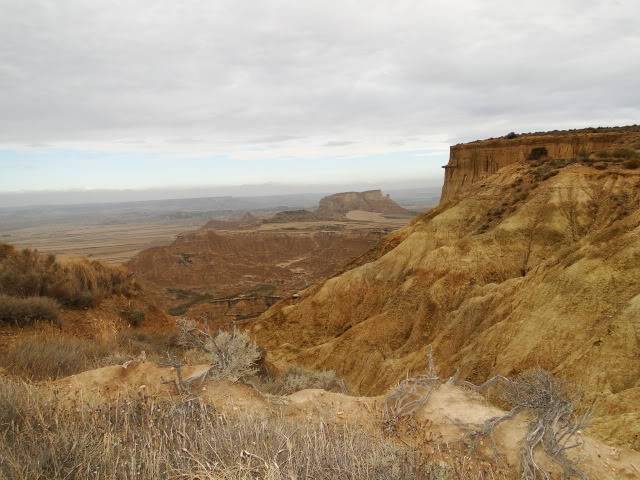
{"x":631,"y":164}
{"x":134,"y":316}
{"x":624,"y":153}
{"x":583,"y":155}
{"x":147,"y":438}
{"x":537,"y":153}
{"x":511,"y":135}
{"x":297,"y":378}
{"x":554,"y":425}
{"x":24,"y":311}
{"x":28,"y":273}
{"x":44,"y":356}
{"x":233,"y":355}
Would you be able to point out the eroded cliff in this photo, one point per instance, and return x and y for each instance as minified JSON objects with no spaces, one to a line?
{"x":469,"y":163}
{"x":339,"y":204}
{"x":537,"y":264}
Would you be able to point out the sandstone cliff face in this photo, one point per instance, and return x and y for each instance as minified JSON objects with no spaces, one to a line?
{"x":472,"y":162}
{"x":537,"y":264}
{"x":370,"y":201}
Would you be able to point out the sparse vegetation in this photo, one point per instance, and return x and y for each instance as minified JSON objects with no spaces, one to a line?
{"x":409,"y":395}
{"x":142,"y":438}
{"x":537,"y":153}
{"x":297,"y":378}
{"x":28,"y":273}
{"x":24,"y":311}
{"x":46,"y":355}
{"x":620,"y":153}
{"x":632,"y":164}
{"x":233,"y":355}
{"x":554,"y":426}
{"x":134,"y":316}
{"x":624,"y":153}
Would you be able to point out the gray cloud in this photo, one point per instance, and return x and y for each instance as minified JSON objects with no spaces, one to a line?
{"x":230,"y":71}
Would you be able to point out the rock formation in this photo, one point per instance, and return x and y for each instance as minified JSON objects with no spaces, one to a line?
{"x":530,"y":260}
{"x":339,"y":204}
{"x":472,"y":162}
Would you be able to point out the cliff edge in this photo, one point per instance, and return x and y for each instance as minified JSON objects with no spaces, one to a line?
{"x":472,"y":162}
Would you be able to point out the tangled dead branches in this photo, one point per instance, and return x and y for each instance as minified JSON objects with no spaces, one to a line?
{"x":410,"y":394}
{"x":233,"y":354}
{"x":554,"y":425}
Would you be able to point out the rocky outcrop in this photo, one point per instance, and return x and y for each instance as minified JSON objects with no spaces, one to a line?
{"x":336,"y":207}
{"x":339,"y":204}
{"x":472,"y":162}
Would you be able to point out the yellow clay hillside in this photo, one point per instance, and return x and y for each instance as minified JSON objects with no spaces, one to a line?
{"x":533,"y":264}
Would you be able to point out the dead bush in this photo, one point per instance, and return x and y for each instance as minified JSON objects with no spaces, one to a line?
{"x":409,"y":395}
{"x":25,"y":311}
{"x":143,"y":438}
{"x":297,"y":378}
{"x":43,"y":355}
{"x":233,"y":355}
{"x":554,"y":426}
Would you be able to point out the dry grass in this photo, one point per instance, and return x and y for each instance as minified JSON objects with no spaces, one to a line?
{"x":142,"y":438}
{"x":25,"y":311}
{"x":81,"y":283}
{"x":297,"y":378}
{"x":43,"y":355}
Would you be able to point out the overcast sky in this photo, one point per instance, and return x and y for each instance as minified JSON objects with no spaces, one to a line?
{"x":152,"y":93}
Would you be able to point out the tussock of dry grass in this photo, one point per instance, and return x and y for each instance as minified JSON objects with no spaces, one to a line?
{"x":43,"y":355}
{"x":297,"y":378}
{"x":144,"y":438}
{"x":80,"y":283}
{"x":24,"y":311}
{"x":48,"y":354}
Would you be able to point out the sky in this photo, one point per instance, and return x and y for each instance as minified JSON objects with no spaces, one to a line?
{"x":124,"y":94}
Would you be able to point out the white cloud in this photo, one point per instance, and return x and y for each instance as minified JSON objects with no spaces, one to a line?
{"x":276,"y":78}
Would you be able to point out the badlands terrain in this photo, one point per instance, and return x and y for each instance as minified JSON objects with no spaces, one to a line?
{"x":233,"y":270}
{"x":370,"y":363}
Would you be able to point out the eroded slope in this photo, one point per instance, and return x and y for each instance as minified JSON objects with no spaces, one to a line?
{"x":536,"y":265}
